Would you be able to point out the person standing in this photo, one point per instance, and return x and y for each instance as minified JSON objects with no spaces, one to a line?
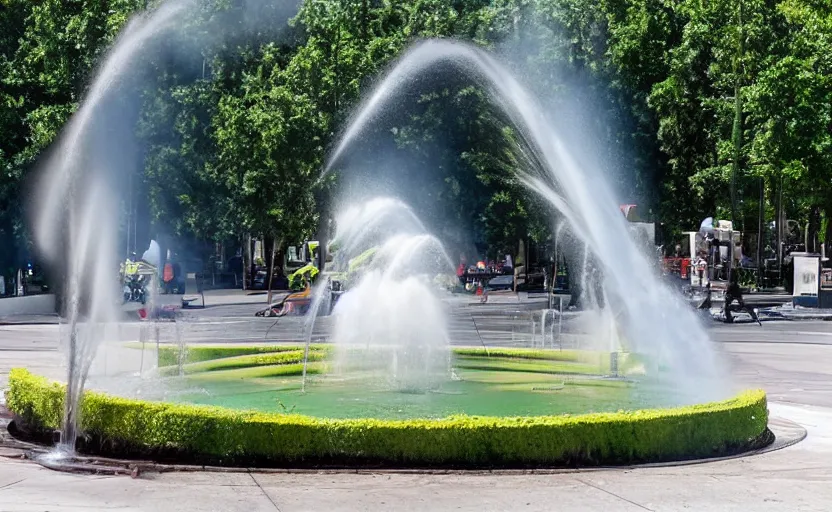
{"x":167,"y":277}
{"x":706,"y":302}
{"x":178,"y":280}
{"x":701,"y":266}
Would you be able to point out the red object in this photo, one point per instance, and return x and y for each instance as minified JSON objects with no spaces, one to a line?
{"x":460,"y":270}
{"x":167,"y":273}
{"x":685,"y":268}
{"x":479,"y":290}
{"x":168,"y":312}
{"x":627,"y":209}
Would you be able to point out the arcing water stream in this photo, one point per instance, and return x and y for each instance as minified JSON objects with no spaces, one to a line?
{"x":655,"y":322}
{"x":391,"y":324}
{"x":79,"y":203}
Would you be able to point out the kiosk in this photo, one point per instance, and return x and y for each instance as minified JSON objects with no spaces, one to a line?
{"x":825,"y":293}
{"x":806,"y":279}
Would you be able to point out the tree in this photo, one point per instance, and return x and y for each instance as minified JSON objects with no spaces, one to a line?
{"x":269,"y":153}
{"x":47,"y":52}
{"x":792,"y":104}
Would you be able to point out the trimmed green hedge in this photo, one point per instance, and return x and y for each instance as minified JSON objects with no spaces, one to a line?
{"x":235,"y":437}
{"x":523,"y":353}
{"x":247,"y":361}
{"x":217,"y":358}
{"x":527,"y":365}
{"x":259,"y":372}
{"x":195,"y":354}
{"x":200,"y":353}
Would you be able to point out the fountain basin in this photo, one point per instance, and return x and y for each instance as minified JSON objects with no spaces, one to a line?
{"x":499,"y":384}
{"x":222,"y":435}
{"x":494,"y":382}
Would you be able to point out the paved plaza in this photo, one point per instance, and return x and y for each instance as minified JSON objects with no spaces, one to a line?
{"x":792,"y":361}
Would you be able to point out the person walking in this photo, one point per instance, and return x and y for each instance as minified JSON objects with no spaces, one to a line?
{"x":701,"y":266}
{"x":734,"y":294}
{"x":706,"y":302}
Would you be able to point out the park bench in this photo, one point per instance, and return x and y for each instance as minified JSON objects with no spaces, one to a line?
{"x":194,"y":291}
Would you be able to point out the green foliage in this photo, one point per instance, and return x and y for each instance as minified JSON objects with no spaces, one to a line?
{"x":47,"y":52}
{"x":531,"y":365}
{"x":246,"y":361}
{"x":691,"y":97}
{"x":267,"y":361}
{"x":303,"y":277}
{"x":261,"y":372}
{"x":168,"y":354}
{"x":521,"y":353}
{"x":229,"y":437}
{"x":201,"y":353}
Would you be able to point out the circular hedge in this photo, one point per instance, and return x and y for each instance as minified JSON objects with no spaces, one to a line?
{"x":223,"y":436}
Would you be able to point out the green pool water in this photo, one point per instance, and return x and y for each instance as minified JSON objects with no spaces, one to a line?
{"x":474,"y":392}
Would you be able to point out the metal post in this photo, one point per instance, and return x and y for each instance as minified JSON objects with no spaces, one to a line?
{"x":730,"y":255}
{"x":534,"y":332}
{"x":614,"y":364}
{"x":142,"y":339}
{"x":560,"y":322}
{"x":760,"y":227}
{"x":129,"y":214}
{"x":554,"y":268}
{"x":779,"y":227}
{"x":156,"y":328}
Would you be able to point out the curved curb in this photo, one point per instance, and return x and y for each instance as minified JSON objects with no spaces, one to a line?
{"x":157,"y":429}
{"x":786,"y":434}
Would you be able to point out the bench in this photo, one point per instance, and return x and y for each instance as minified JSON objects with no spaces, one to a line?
{"x":194,"y":291}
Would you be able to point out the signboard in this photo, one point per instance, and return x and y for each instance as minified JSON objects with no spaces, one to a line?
{"x":825,"y":297}
{"x":825,"y":278}
{"x":806,"y":278}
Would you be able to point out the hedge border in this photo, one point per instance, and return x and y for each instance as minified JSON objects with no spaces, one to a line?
{"x":219,"y":358}
{"x":247,"y":361}
{"x":228,"y":437}
{"x":202,"y":353}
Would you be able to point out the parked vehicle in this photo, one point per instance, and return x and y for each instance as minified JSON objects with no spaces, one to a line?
{"x":135,"y":289}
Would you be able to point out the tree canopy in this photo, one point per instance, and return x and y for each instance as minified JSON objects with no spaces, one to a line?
{"x":689,"y":104}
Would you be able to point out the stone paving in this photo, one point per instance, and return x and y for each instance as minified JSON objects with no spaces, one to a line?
{"x":792,"y":361}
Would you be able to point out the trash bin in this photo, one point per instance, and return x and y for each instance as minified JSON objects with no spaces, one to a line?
{"x":825,"y":299}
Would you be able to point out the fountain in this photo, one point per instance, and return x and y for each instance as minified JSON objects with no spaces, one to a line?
{"x":394,"y":390}
{"x":655,"y":322}
{"x":80,"y":186}
{"x":393,"y":320}
{"x":390,"y":323}
{"x":360,"y":229}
